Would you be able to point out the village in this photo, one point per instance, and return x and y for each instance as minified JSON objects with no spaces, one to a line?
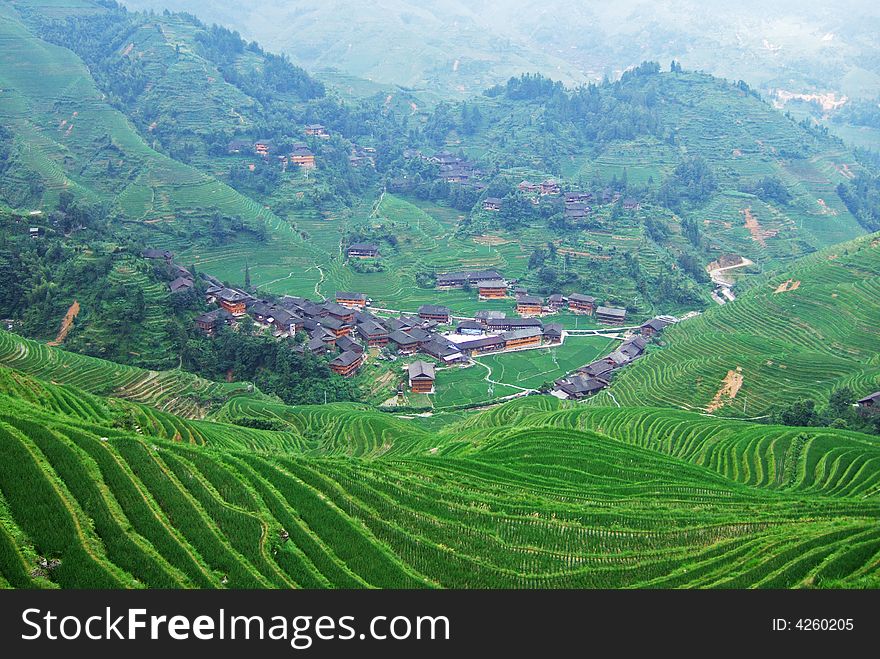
{"x":348,"y":333}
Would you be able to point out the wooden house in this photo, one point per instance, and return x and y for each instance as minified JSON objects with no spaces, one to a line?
{"x":610,"y":315}
{"x":347,"y":363}
{"x":522,"y":338}
{"x":492,"y":289}
{"x":581,"y":303}
{"x":435,"y":312}
{"x":492,"y":204}
{"x":529,"y":305}
{"x":421,"y":377}
{"x":363,"y":250}
{"x":351,"y":300}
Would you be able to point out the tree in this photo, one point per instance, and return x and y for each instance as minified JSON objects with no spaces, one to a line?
{"x":840,"y":402}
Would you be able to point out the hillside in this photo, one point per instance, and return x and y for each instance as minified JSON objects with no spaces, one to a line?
{"x":531,"y":494}
{"x":66,"y":137}
{"x":794,"y":336}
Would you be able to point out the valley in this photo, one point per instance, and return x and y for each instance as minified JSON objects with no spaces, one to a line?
{"x":309,"y":320}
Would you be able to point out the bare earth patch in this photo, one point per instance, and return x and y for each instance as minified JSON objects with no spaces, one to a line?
{"x":730,"y":387}
{"x":754,"y":227}
{"x":490,"y":240}
{"x":66,"y":324}
{"x":825,"y":209}
{"x":587,"y":255}
{"x":786,"y":286}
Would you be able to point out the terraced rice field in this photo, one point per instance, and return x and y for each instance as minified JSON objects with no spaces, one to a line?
{"x":175,"y":391}
{"x":533,"y":494}
{"x":787,"y":342}
{"x":532,"y":368}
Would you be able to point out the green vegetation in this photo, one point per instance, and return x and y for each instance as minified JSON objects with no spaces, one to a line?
{"x":535,"y":493}
{"x":798,"y":336}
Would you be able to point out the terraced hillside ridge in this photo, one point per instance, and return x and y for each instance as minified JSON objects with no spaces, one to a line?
{"x":536,"y":493}
{"x":68,"y":137}
{"x":783,"y":341}
{"x":176,"y":391}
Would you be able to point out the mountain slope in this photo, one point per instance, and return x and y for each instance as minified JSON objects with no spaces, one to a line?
{"x":69,"y":138}
{"x":799,"y":335}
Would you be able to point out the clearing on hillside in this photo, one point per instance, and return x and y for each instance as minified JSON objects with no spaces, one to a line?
{"x":730,"y":387}
{"x":66,"y":324}
{"x":786,"y":286}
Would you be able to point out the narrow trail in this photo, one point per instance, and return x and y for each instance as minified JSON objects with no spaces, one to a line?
{"x":489,"y":379}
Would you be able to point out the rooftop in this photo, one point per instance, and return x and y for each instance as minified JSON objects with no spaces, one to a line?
{"x":420,"y":369}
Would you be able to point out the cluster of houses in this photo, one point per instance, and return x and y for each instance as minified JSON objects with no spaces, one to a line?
{"x":595,"y":376}
{"x":577,"y":205}
{"x":491,"y":285}
{"x":183,"y":280}
{"x":344,"y":325}
{"x":452,"y":168}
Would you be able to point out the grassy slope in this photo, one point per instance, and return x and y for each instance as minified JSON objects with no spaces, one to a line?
{"x":72,"y":139}
{"x":792,"y":344}
{"x":536,"y":493}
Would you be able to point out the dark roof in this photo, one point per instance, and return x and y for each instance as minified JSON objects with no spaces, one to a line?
{"x":580,"y":385}
{"x":181,"y":284}
{"x":232,"y":295}
{"x":597,"y":368}
{"x":301,"y":150}
{"x":419,"y":334}
{"x":332,"y":322}
{"x":577,"y":297}
{"x":260,"y":307}
{"x":522,"y":333}
{"x":402,"y":338}
{"x":337,"y":309}
{"x":492,"y":283}
{"x":421,"y":370}
{"x":401,"y":323}
{"x":215,"y":316}
{"x":873,"y":398}
{"x":611,"y":311}
{"x":656,"y":324}
{"x":344,"y":295}
{"x":441,"y":348}
{"x":346,"y":343}
{"x":285,"y":318}
{"x":366,"y":247}
{"x":529,"y":299}
{"x":492,"y":200}
{"x":157,"y":254}
{"x":618,"y":358}
{"x":371,"y":329}
{"x":484,"y":342}
{"x":556,"y":297}
{"x":553,"y":328}
{"x":292,"y":302}
{"x":469,"y":276}
{"x":434,"y":310}
{"x":469,"y":324}
{"x":316,"y":344}
{"x":313,"y":310}
{"x":347,"y":358}
{"x":637,"y":341}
